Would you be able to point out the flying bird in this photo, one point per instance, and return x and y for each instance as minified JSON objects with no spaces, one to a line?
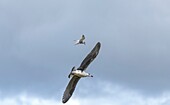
{"x":76,"y":74}
{"x":80,"y":41}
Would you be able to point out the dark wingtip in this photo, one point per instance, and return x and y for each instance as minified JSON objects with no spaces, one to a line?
{"x":98,"y":44}
{"x":64,"y":100}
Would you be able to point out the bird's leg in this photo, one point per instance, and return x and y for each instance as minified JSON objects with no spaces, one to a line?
{"x":69,"y":75}
{"x":73,"y":69}
{"x":71,"y":72}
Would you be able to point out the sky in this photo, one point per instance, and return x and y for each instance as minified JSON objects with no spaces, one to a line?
{"x":37,"y":51}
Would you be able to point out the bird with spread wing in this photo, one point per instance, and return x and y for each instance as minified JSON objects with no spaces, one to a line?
{"x":76,"y":74}
{"x":80,"y":41}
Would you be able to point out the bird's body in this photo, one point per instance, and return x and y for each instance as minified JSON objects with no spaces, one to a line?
{"x":80,"y":41}
{"x":80,"y":72}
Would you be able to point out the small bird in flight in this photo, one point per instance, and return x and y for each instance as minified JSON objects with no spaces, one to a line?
{"x":80,"y":41}
{"x":76,"y":74}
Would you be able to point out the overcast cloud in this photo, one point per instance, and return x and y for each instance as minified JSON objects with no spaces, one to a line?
{"x":37,"y":50}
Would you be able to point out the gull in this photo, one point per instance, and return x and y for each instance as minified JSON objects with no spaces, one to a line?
{"x":76,"y":74}
{"x":80,"y":41}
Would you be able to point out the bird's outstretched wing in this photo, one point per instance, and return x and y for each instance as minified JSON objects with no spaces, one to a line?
{"x":70,"y":88}
{"x":90,"y":57}
{"x":82,"y":38}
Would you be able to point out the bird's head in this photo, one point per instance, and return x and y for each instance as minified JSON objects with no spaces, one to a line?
{"x":89,"y":75}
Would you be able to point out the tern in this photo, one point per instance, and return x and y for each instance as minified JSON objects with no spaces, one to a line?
{"x":76,"y":74}
{"x":80,"y":41}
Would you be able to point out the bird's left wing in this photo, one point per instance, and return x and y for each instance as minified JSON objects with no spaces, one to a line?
{"x":70,"y":88}
{"x":90,"y":57}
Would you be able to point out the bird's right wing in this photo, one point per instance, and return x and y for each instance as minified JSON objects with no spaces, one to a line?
{"x":70,"y":88}
{"x":90,"y":57}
